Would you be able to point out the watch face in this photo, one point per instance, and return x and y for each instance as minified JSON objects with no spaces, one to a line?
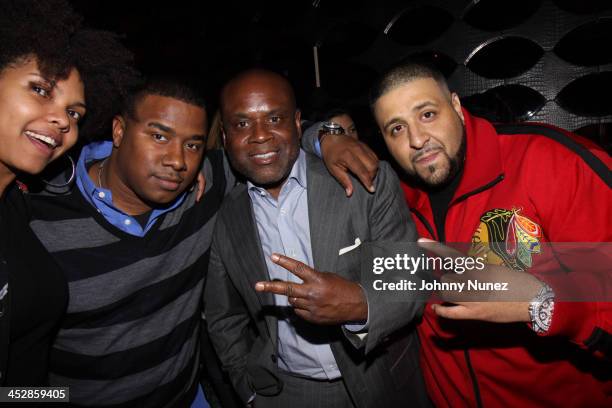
{"x":331,"y":125}
{"x":333,"y":128}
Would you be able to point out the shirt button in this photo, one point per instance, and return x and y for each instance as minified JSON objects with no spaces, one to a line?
{"x":127,"y":222}
{"x":283,"y":211}
{"x":101,"y":194}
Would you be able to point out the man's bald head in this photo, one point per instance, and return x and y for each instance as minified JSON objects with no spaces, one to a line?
{"x":265,"y":80}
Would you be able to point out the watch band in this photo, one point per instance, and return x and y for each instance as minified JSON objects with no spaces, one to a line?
{"x":541,"y":309}
{"x":327,"y":128}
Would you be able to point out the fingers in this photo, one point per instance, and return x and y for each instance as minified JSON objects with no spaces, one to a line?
{"x":296,"y":296}
{"x":366,"y":155}
{"x":451,"y":296}
{"x":343,"y":155}
{"x":299,"y":269}
{"x":357,"y":166}
{"x":343,"y":178}
{"x":438,"y":248}
{"x":295,"y":292}
{"x":497,"y":312}
{"x":460,"y":295}
{"x":370,"y":160}
{"x":455,"y":312}
{"x":289,"y":289}
{"x":363,"y":163}
{"x":299,"y":303}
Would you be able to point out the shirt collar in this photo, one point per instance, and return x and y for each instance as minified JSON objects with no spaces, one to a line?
{"x":90,"y":153}
{"x":483,"y":160}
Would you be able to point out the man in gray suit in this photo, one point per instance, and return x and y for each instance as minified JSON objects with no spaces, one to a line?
{"x":291,"y":206}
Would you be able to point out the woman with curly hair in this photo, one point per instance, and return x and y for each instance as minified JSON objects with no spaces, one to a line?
{"x":56,"y":80}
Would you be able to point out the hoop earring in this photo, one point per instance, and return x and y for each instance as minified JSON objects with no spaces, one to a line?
{"x":70,"y":180}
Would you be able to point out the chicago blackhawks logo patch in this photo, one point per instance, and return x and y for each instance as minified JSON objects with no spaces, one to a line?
{"x":505,"y":237}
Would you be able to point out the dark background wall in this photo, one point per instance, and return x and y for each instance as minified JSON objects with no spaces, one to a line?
{"x":510,"y":60}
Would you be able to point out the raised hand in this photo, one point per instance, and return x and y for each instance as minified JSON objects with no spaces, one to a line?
{"x":323,"y":297}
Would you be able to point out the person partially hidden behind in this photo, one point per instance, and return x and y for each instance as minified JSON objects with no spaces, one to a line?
{"x":291,"y":207}
{"x":343,"y":118}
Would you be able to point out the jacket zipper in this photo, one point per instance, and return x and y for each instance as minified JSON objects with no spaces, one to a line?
{"x":468,"y":361}
{"x":424,"y":221}
{"x":466,"y":351}
{"x":478,"y":190}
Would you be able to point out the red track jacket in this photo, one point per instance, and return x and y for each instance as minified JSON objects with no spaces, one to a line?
{"x":551,"y":186}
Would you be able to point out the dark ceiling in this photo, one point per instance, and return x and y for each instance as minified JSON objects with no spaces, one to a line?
{"x":510,"y":59}
{"x":212,"y":40}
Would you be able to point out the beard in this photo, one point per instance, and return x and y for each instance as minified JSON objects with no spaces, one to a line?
{"x":434,"y":176}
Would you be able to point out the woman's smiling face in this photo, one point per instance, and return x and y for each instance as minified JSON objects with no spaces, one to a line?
{"x":38,"y":116}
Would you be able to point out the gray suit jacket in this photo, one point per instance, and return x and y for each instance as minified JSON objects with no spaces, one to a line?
{"x":380,"y":370}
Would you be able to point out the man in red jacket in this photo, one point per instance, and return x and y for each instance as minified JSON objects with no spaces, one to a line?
{"x":507,"y":191}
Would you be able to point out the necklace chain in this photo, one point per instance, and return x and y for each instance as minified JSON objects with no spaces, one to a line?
{"x":100,"y":169}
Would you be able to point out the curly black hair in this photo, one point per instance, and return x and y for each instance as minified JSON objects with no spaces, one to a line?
{"x":52,"y":33}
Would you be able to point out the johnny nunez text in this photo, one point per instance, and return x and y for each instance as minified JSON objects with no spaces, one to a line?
{"x":472,"y":285}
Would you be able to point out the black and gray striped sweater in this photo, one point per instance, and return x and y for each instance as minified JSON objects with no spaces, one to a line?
{"x":130,"y":336}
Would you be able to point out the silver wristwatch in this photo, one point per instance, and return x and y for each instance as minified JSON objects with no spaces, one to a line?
{"x":541,"y":309}
{"x":332,"y":128}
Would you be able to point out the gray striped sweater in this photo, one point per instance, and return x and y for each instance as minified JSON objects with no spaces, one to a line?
{"x":130,"y":336}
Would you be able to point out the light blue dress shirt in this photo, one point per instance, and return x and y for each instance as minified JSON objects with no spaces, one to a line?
{"x":284,"y":229}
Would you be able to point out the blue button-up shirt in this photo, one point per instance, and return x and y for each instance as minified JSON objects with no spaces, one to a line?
{"x":102,"y":199}
{"x":284,"y":229}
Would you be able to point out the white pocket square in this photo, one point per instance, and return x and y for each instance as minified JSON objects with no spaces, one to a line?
{"x":350,"y":247}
